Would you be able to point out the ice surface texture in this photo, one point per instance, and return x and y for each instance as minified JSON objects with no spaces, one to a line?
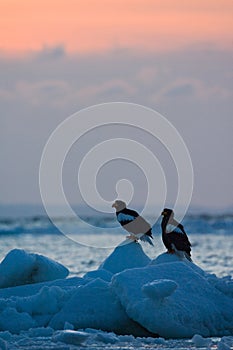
{"x":173,"y":300}
{"x":20,"y":267}
{"x":128,"y":294}
{"x":124,"y":257}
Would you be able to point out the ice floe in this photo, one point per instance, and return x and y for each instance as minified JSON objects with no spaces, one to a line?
{"x":20,"y":267}
{"x":129,"y":295}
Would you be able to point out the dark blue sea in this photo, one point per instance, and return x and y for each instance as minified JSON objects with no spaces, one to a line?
{"x":84,"y":244}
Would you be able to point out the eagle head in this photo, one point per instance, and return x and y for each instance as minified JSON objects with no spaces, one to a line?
{"x":167,"y":212}
{"x":119,"y":205}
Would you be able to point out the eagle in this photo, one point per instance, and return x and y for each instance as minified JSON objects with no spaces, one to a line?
{"x":174,"y":236}
{"x":132,"y":222}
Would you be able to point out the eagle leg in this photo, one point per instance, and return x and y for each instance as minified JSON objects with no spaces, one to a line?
{"x":171,"y":251}
{"x":134,"y":239}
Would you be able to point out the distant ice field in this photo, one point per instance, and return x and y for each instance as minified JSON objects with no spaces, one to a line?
{"x":203,"y":224}
{"x":211,"y":237}
{"x":212,"y":252}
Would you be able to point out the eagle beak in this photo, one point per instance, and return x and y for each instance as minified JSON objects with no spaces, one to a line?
{"x":164,"y":213}
{"x":114,"y":205}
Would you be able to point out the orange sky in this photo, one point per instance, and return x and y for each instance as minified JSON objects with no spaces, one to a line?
{"x":94,"y":25}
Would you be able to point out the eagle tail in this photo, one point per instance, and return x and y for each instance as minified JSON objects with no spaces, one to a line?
{"x":146,"y":238}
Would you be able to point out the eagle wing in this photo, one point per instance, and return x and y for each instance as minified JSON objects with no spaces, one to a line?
{"x":133,"y":222}
{"x":178,"y":237}
{"x":126,"y":218}
{"x":180,"y":241}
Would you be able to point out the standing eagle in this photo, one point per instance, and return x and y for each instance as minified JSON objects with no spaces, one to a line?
{"x":174,"y":236}
{"x":132,"y":222}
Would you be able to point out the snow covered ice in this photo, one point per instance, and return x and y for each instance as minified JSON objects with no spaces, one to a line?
{"x":173,"y":299}
{"x":128,"y":296}
{"x":20,"y":267}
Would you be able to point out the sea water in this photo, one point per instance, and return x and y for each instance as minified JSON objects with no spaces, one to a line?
{"x":84,"y":249}
{"x":87,"y":244}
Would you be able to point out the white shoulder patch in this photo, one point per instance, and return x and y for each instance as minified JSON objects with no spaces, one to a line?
{"x":171,"y":228}
{"x":124,"y":217}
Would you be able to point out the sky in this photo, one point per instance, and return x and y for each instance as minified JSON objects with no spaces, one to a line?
{"x":57,"y":57}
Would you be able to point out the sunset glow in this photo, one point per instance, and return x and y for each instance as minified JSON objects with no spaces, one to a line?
{"x":86,"y":26}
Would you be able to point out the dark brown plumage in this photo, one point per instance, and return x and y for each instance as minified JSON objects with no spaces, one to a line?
{"x":174,"y":236}
{"x":132,"y":222}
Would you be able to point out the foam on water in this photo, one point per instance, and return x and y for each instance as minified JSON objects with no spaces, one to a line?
{"x":214,"y":224}
{"x":211,"y":252}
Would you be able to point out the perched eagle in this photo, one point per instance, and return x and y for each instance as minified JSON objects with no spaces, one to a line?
{"x":174,"y":236}
{"x":132,"y":222}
